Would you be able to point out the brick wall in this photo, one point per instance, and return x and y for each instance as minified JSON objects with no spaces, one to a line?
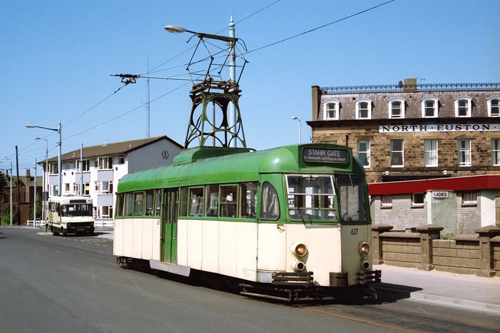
{"x":457,"y":256}
{"x":401,"y":249}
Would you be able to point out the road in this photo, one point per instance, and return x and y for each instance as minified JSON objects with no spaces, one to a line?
{"x":74,"y":284}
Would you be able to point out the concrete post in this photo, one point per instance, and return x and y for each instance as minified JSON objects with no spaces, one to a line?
{"x":485,"y":249}
{"x":377,"y":229}
{"x":427,"y":234}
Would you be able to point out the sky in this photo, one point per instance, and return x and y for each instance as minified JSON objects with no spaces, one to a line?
{"x":58,"y":57}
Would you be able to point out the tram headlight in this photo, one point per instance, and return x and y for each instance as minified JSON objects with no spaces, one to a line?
{"x":299,"y":249}
{"x":364,"y":249}
{"x":298,"y":266}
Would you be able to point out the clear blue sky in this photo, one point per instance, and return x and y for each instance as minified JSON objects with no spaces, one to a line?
{"x":57,"y":57}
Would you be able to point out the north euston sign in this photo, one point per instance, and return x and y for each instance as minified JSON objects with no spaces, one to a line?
{"x":438,"y":128}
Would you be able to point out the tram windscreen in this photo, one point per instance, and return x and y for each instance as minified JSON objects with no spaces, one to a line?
{"x":351,"y":198}
{"x":311,"y":198}
{"x":76,"y":210}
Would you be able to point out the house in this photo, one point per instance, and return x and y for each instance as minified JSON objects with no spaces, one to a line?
{"x":410,"y":132}
{"x":96,"y":170}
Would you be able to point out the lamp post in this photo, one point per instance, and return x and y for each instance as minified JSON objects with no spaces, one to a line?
{"x":10,"y":199}
{"x":59,"y":171}
{"x":44,"y":182}
{"x":295,"y":118}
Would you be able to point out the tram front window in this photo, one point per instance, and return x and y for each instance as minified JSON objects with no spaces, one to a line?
{"x":352,"y":205}
{"x":311,"y":198}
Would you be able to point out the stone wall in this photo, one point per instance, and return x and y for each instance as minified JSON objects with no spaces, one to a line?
{"x":424,"y":249}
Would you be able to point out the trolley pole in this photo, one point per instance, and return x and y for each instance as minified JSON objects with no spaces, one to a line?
{"x":232,"y":74}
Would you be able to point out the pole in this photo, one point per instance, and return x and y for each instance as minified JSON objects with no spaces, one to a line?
{"x":59,"y":163}
{"x":232,"y":77}
{"x":81,"y":171}
{"x":34,"y":198}
{"x":18,"y":192}
{"x":11,"y":194}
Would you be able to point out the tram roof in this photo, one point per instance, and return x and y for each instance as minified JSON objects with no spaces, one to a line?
{"x":210,"y":165}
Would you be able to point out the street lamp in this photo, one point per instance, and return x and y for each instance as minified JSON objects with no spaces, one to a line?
{"x":44,"y":177}
{"x":59,"y":171}
{"x":295,"y":118}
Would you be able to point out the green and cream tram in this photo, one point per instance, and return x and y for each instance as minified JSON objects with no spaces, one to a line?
{"x":295,"y":215}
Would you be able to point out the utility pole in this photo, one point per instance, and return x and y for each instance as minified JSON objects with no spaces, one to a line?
{"x":18,"y":192}
{"x":232,"y":75}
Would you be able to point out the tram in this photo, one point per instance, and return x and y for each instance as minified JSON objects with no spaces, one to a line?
{"x":293,"y":218}
{"x":70,"y":214}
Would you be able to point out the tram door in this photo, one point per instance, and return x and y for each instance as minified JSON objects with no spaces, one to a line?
{"x":169,"y":227}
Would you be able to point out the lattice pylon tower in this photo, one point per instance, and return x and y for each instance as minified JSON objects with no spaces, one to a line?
{"x":208,"y":122}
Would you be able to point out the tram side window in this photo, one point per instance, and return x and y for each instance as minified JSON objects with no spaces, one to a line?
{"x":149,"y":202}
{"x":196,"y":201}
{"x":138,"y":204}
{"x":212,"y":200}
{"x":269,"y":208}
{"x":248,"y":200}
{"x":352,"y":205}
{"x":229,"y":201}
{"x":129,"y":204}
{"x":183,"y":211}
{"x":119,"y":204}
{"x":158,"y":202}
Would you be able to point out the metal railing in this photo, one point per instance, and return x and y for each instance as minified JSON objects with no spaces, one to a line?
{"x":412,"y":88}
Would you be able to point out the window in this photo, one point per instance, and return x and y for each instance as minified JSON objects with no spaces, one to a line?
{"x":229,"y":201}
{"x":495,"y":151}
{"x":494,"y":106}
{"x":149,"y":202}
{"x":196,"y":201}
{"x":129,"y":204}
{"x":82,"y":165}
{"x":54,"y":169}
{"x":469,"y":198}
{"x":430,"y":108}
{"x":397,"y":153}
{"x":248,"y":195}
{"x":351,"y":199}
{"x":364,"y":109}
{"x":66,"y":187}
{"x":105,"y":163}
{"x":397,"y":108}
{"x":331,"y":110}
{"x":212,"y":200}
{"x":463,"y":106}
{"x":138,"y":204}
{"x":104,"y":187}
{"x":270,"y":205}
{"x":431,"y":153}
{"x":464,"y":152}
{"x":311,"y":198}
{"x":386,"y":201}
{"x":107,"y":211}
{"x":364,"y":152}
{"x":417,"y":199}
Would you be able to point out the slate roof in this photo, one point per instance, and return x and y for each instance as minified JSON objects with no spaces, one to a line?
{"x":108,"y":149}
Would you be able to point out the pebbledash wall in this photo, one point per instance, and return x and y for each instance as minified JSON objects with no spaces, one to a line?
{"x":423,"y":248}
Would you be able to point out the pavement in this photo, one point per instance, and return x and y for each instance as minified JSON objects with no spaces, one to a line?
{"x":480,"y":293}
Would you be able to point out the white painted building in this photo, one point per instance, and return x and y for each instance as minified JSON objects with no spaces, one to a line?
{"x":96,"y":170}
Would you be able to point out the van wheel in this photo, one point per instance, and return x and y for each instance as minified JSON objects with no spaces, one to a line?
{"x":54,"y":232}
{"x":64,"y":232}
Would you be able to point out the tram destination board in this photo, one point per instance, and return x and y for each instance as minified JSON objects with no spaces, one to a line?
{"x":325,"y":155}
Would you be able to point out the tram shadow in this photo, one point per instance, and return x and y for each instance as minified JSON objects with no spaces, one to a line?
{"x":388,"y":292}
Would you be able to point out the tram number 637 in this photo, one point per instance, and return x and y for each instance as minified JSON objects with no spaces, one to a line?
{"x":354,"y":231}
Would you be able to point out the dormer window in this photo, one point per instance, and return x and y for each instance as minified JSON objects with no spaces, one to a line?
{"x":430,"y":107}
{"x":397,"y":108}
{"x":331,"y":110}
{"x":494,"y":106}
{"x":463,"y":106}
{"x":364,"y":109}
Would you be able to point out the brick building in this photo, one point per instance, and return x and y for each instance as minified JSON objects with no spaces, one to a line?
{"x":409,"y":132}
